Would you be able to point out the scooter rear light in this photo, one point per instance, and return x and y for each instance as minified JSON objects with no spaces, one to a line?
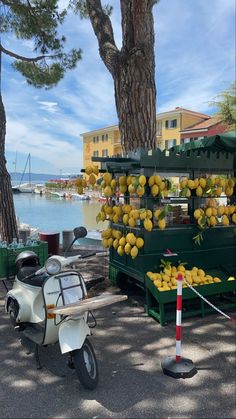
{"x":50,"y":315}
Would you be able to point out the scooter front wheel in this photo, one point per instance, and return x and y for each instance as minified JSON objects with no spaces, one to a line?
{"x":85,"y":364}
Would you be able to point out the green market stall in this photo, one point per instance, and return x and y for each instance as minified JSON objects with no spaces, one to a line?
{"x":214,"y":250}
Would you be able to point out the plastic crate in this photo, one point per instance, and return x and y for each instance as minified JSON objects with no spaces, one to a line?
{"x":8,"y":257}
{"x":162,"y":304}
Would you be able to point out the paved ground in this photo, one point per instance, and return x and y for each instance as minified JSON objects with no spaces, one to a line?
{"x":130,"y":347}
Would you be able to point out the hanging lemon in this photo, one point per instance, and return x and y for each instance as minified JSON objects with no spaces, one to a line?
{"x":142,"y":180}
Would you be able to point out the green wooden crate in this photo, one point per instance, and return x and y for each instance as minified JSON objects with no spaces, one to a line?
{"x":8,"y":257}
{"x":162,"y":304}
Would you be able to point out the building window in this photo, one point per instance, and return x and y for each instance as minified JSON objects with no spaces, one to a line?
{"x":103,"y":138}
{"x":106,"y":137}
{"x":171,"y":124}
{"x":159,"y":128}
{"x":97,"y":138}
{"x":94,"y":140}
{"x":96,"y":153}
{"x":105,"y":153}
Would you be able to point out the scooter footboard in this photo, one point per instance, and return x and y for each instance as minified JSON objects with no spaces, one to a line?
{"x":72,"y":334}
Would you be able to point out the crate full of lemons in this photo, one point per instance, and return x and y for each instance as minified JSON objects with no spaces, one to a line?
{"x":166,"y":279}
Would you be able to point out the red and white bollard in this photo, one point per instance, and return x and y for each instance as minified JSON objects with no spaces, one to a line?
{"x":177,"y":366}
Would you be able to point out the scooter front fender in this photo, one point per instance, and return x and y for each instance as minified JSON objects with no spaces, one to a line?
{"x":72,"y":334}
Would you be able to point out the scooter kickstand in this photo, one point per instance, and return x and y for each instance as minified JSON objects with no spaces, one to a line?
{"x":38,"y":363}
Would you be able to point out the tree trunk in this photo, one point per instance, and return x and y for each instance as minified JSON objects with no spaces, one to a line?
{"x":8,"y":225}
{"x":132,"y":69}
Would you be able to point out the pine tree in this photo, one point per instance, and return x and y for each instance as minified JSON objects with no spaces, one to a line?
{"x":36,"y":20}
{"x":132,"y":67}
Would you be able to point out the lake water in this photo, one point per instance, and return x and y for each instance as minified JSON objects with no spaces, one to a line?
{"x":55,"y":214}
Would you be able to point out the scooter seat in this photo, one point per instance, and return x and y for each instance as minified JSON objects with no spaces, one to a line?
{"x":26,"y":275}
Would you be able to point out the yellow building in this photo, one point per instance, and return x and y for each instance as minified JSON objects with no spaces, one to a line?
{"x":170,"y":123}
{"x":105,"y":142}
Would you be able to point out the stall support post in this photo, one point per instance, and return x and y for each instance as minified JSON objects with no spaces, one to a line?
{"x":178,"y":367}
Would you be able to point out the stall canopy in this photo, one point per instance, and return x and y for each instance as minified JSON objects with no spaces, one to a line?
{"x":222,"y":142}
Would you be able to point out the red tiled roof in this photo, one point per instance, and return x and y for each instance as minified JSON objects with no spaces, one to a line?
{"x":205,"y":124}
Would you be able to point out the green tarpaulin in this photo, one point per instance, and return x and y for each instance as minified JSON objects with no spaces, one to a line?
{"x":222,"y":142}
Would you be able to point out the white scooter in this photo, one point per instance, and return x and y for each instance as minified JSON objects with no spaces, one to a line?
{"x":50,"y":304}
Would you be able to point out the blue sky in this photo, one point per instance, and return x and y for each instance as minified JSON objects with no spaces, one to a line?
{"x":195,"y":60}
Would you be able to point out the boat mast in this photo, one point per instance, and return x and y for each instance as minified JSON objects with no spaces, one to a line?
{"x":28,"y":160}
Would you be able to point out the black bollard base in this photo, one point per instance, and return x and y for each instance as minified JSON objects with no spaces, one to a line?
{"x":182,"y":369}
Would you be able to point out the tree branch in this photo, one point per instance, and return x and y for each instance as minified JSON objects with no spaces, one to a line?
{"x":104,"y":32}
{"x":21,"y":57}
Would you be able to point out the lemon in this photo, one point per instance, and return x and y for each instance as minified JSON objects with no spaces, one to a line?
{"x":132,"y":222}
{"x":216,"y":279}
{"x":129,"y":180}
{"x":125,"y":219}
{"x":201,"y":272}
{"x":78,"y":182}
{"x":113,"y":183}
{"x":89,"y":170}
{"x":134,"y":214}
{"x":229,"y":191}
{"x":120,"y":250}
{"x":139,"y":242}
{"x":134,"y":252}
{"x":221,"y":210}
{"x":140,"y":190}
{"x":131,"y":189}
{"x":162,"y":185}
{"x":208,"y":212}
{"x":110,"y":241}
{"x":155,"y":190}
{"x":148,"y":224}
{"x":218,"y":191}
{"x":142,"y":214}
{"x":162,"y":224}
{"x":225,"y":220}
{"x":213,"y":221}
{"x":92,"y":179}
{"x":149,"y":214}
{"x":95,"y":169}
{"x":105,"y":242}
{"x":157,"y":180}
{"x":151,"y":181}
{"x":107,"y":177}
{"x":196,"y":182}
{"x":142,"y":180}
{"x":107,"y":191}
{"x":115,"y":218}
{"x":191,"y":184}
{"x":157,"y":283}
{"x":122,"y":180}
{"x":127,"y":248}
{"x":123,"y":188}
{"x":199,"y":191}
{"x":102,"y":216}
{"x":157,"y":213}
{"x":131,"y":239}
{"x":202,"y":182}
{"x":122,"y":241}
{"x":197,"y":213}
{"x":234,"y":218}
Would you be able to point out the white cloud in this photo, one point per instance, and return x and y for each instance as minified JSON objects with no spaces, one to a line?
{"x":50,"y":107}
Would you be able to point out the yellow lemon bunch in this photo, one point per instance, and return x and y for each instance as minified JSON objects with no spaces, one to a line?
{"x":212,"y":186}
{"x":166,"y":279}
{"x":128,"y":244}
{"x":159,"y":215}
{"x":159,"y":186}
{"x":211,"y":216}
{"x":136,"y":185}
{"x":80,"y":185}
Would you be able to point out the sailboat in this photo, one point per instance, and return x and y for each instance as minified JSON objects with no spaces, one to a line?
{"x":24,"y":187}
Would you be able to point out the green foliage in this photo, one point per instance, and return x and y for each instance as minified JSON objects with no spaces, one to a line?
{"x":80,"y":6}
{"x":38,"y":21}
{"x":226,"y":105}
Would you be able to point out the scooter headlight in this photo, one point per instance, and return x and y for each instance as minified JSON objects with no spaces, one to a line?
{"x":53,"y":266}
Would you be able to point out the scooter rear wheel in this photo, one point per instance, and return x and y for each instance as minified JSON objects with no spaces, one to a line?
{"x":85,"y":364}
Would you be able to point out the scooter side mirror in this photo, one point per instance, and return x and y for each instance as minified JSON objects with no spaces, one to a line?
{"x":80,"y":232}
